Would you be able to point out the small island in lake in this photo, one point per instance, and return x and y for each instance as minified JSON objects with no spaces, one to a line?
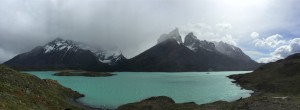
{"x":82,"y":73}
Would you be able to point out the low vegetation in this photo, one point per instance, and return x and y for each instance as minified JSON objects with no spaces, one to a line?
{"x":21,"y":91}
{"x":281,"y":77}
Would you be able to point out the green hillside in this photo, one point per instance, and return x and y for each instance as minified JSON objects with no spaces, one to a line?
{"x":23,"y":91}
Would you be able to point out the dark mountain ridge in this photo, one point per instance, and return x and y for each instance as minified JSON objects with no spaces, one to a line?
{"x":166,"y":56}
{"x":170,"y":54}
{"x":58,"y":54}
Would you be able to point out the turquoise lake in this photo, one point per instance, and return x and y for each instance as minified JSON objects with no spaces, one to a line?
{"x":128,"y":87}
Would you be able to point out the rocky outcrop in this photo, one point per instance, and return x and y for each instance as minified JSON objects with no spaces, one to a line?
{"x":158,"y":103}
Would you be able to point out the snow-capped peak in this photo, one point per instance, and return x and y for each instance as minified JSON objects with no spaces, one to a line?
{"x":104,"y":55}
{"x":172,"y":35}
{"x":58,"y":45}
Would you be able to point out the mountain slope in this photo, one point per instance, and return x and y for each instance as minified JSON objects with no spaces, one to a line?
{"x":27,"y":92}
{"x":165,"y":56}
{"x":232,"y":51}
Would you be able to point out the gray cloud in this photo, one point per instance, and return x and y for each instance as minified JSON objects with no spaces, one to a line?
{"x":4,"y":55}
{"x":135,"y":25}
{"x":281,"y":52}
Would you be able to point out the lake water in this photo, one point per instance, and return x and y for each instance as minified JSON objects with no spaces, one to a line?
{"x":128,"y":87}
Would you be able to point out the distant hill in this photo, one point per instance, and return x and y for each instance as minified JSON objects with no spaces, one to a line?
{"x":20,"y":91}
{"x":282,"y":76}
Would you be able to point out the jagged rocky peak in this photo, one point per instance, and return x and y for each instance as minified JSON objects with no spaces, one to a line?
{"x":227,"y":49}
{"x":190,"y":39}
{"x":231,"y":51}
{"x":193,"y":43}
{"x":111,"y":57}
{"x":207,"y":45}
{"x":172,"y":35}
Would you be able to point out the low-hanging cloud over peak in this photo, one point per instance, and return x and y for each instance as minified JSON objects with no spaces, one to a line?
{"x":135,"y":25}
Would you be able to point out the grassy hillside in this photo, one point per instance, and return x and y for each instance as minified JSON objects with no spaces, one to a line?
{"x":23,"y":91}
{"x":281,"y":77}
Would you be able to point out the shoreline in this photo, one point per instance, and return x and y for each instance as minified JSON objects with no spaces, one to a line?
{"x":84,"y":106}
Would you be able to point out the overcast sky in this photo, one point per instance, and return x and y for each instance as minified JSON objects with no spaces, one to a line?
{"x":266,"y":30}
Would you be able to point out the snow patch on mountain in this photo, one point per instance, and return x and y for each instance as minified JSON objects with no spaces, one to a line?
{"x":48,"y":48}
{"x":105,"y":56}
{"x":227,"y":49}
{"x":108,"y":56}
{"x":193,"y":43}
{"x":60,"y":45}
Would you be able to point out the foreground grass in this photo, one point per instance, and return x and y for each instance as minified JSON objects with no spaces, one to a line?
{"x":21,"y":91}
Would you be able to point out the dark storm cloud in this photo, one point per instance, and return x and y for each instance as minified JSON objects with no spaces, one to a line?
{"x":131,"y":25}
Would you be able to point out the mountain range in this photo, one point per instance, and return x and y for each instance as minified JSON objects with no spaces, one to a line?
{"x":170,"y":54}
